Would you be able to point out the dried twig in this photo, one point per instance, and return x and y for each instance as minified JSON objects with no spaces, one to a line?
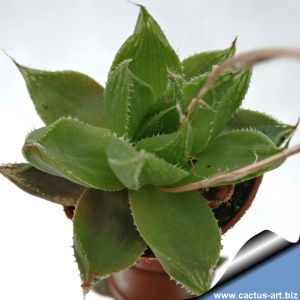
{"x":246,"y":59}
{"x":225,"y":178}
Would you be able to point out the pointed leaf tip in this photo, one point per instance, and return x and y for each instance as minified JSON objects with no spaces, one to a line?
{"x":146,"y":20}
{"x":43,"y":185}
{"x":245,"y":119}
{"x":86,"y":287}
{"x":103,"y":228}
{"x":233,"y":44}
{"x":11,"y":58}
{"x":64,"y":93}
{"x":151,"y":54}
{"x":203,"y":62}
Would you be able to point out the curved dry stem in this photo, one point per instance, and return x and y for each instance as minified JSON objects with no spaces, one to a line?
{"x":246,"y":59}
{"x":227,"y":177}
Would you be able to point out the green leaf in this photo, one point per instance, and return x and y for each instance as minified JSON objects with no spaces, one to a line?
{"x":165,"y":121}
{"x":192,"y":88}
{"x":220,"y":104}
{"x":138,"y":168}
{"x":74,"y":150}
{"x":105,"y":238}
{"x":101,"y":288}
{"x":152,"y":56}
{"x":43,"y":185}
{"x":221,"y":261}
{"x":204,"y":62}
{"x":174,"y":92}
{"x":278,"y":132}
{"x":232,"y":151}
{"x":174,"y":148}
{"x":182,"y":232}
{"x":145,"y":19}
{"x":127,"y":100}
{"x":65,"y":94}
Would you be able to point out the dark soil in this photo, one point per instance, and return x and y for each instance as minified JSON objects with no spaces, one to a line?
{"x":228,"y":210}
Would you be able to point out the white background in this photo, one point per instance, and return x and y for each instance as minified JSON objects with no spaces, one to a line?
{"x":36,"y":259}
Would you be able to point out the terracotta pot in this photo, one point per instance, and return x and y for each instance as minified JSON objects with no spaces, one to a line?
{"x":147,"y":280}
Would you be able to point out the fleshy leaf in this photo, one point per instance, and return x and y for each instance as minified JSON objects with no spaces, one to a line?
{"x":219,"y":105}
{"x":152,"y":56}
{"x":182,"y":232}
{"x":73,"y":150}
{"x":278,"y":132}
{"x":174,"y":92}
{"x":138,"y":168}
{"x":65,"y":94}
{"x":145,"y":19}
{"x":165,"y":121}
{"x":101,"y":288}
{"x":105,"y":238}
{"x":192,"y":88}
{"x":231,"y":151}
{"x":204,"y":62}
{"x":127,"y":100}
{"x":173,"y":147}
{"x":35,"y":182}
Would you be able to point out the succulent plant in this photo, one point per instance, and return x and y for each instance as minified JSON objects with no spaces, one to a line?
{"x":132,"y":157}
